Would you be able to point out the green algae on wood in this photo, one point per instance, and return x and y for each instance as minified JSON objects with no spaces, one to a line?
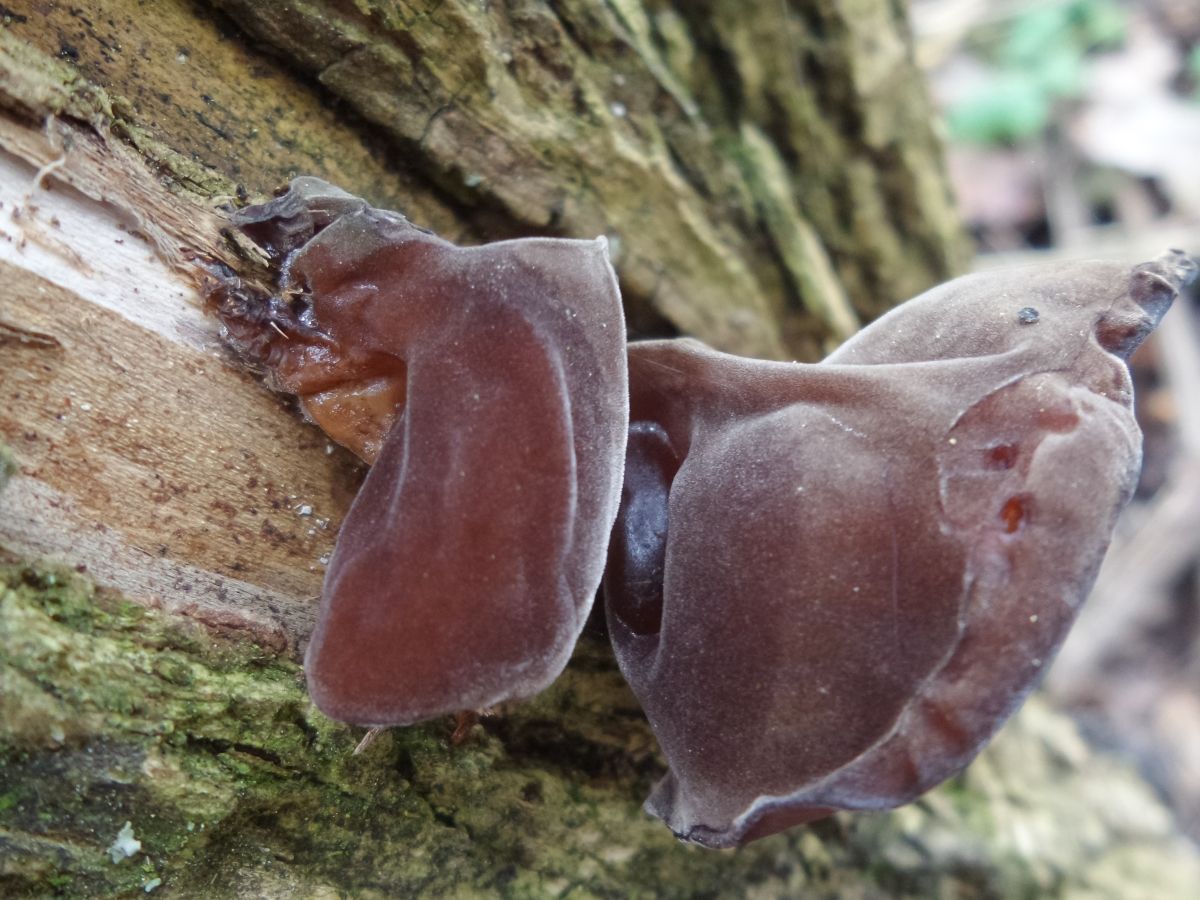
{"x":571,"y":119}
{"x":235,"y":786}
{"x":113,"y":713}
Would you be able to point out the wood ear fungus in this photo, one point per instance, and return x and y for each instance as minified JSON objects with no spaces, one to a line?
{"x":830,"y":584}
{"x":487,"y":386}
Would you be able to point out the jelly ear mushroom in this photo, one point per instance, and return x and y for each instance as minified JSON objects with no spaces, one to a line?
{"x":488,"y":387}
{"x":830,"y":584}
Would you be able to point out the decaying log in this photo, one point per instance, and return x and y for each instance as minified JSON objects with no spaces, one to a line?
{"x":165,"y":518}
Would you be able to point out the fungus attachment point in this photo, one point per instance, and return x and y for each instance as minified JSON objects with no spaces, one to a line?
{"x":487,"y":386}
{"x":850,"y":644}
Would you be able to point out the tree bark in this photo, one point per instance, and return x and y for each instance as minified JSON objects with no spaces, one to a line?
{"x":769,"y":178}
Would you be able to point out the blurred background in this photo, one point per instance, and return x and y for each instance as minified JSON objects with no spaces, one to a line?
{"x":1073,"y":130}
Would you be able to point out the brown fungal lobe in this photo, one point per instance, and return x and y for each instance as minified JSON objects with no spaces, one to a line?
{"x":828,"y":585}
{"x":487,"y":385}
{"x":855,"y":571}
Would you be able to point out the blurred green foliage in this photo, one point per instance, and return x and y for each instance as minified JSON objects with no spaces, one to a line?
{"x":1034,"y":58}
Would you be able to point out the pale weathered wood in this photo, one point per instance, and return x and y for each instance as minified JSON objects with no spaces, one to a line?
{"x":145,"y":453}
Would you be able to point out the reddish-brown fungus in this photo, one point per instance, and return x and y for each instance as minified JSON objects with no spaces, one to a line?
{"x":830,"y":584}
{"x":488,"y":387}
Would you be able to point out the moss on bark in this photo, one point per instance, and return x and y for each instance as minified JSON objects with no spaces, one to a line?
{"x":768,"y":172}
{"x":236,"y":786}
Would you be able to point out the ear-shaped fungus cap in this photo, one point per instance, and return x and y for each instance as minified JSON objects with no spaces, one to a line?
{"x":830,"y":584}
{"x":488,"y":386}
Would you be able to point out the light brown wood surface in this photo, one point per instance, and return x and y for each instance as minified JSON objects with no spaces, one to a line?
{"x":147,"y":456}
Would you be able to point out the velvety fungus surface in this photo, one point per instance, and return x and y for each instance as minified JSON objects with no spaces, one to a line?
{"x":487,"y":386}
{"x":830,"y":584}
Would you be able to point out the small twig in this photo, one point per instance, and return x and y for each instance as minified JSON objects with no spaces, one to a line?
{"x":367,"y":740}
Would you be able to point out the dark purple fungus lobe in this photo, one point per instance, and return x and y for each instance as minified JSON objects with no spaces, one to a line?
{"x":488,"y":387}
{"x":868,"y":563}
{"x":639,"y":553}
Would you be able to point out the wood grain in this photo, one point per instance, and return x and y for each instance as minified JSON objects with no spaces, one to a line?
{"x":146,"y":455}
